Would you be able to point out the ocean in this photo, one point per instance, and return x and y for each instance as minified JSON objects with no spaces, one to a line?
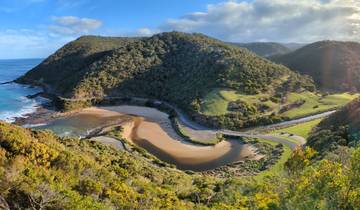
{"x":13,"y":100}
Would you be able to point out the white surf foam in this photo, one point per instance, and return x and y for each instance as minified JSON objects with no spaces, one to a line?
{"x":10,"y":116}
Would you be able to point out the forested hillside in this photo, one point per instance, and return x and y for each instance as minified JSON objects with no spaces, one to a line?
{"x":333,"y":65}
{"x":339,"y":129}
{"x":41,"y":171}
{"x":264,"y":49}
{"x":176,"y":67}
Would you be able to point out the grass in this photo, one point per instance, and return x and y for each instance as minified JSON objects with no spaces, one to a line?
{"x":279,"y":166}
{"x":314,"y":103}
{"x":302,"y":129}
{"x":216,"y":102}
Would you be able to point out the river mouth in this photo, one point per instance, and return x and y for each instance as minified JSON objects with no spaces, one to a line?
{"x":152,"y":130}
{"x":82,"y":123}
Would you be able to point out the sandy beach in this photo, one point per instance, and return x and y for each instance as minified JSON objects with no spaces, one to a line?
{"x":152,"y":129}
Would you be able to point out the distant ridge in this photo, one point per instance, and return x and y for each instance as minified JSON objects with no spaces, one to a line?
{"x":333,"y":65}
{"x":264,"y":49}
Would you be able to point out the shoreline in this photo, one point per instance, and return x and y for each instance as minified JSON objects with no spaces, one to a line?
{"x":152,"y":130}
{"x":25,"y":101}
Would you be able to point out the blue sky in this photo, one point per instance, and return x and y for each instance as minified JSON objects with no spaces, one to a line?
{"x":121,"y":16}
{"x":36,"y":28}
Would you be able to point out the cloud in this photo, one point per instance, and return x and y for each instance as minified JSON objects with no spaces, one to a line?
{"x":274,"y":20}
{"x":146,"y":32}
{"x":44,"y":40}
{"x":71,"y":25}
{"x":24,"y":43}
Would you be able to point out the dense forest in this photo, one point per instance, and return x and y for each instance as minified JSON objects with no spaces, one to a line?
{"x":176,"y":67}
{"x":339,"y":129}
{"x":333,"y":65}
{"x":264,"y":49}
{"x":41,"y":171}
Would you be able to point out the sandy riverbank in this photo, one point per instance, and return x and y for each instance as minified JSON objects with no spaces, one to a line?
{"x":152,"y":130}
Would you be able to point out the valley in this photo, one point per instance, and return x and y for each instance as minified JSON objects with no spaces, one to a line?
{"x":183,"y":121}
{"x":153,"y":130}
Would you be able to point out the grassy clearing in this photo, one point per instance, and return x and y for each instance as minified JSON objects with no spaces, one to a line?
{"x":302,"y":129}
{"x":279,"y":166}
{"x":217,"y":101}
{"x":315,"y":103}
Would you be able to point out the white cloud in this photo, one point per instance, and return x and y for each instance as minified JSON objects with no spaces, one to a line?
{"x":70,"y":25}
{"x":145,"y":32}
{"x":44,"y":40}
{"x":274,"y":20}
{"x":26,"y":43}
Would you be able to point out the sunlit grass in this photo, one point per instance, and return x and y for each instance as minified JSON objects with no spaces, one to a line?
{"x":217,"y":101}
{"x":302,"y":129}
{"x":314,"y":103}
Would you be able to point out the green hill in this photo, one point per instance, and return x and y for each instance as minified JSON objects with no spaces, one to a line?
{"x":340,"y":129}
{"x":176,"y":67}
{"x":333,"y":65}
{"x":264,"y":49}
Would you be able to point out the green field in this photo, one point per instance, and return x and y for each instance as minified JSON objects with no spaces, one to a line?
{"x":314,"y":103}
{"x":302,"y":129}
{"x":217,"y":101}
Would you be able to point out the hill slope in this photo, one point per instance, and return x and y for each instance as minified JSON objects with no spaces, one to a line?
{"x":177,"y":67}
{"x":340,"y":129}
{"x":264,"y":49}
{"x":333,"y":65}
{"x":41,"y":171}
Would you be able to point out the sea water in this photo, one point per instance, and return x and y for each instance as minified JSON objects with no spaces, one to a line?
{"x":13,"y":100}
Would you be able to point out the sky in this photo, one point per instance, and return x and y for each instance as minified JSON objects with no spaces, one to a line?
{"x":37,"y":28}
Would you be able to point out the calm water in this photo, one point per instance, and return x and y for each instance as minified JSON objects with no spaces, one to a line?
{"x":13,"y":101}
{"x":80,"y":125}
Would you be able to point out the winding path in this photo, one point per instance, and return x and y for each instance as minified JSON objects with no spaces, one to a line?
{"x":185,"y":120}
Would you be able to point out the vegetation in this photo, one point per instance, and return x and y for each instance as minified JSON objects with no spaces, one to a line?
{"x":278,"y":167}
{"x":301,"y":129}
{"x":41,"y":171}
{"x":340,"y":129}
{"x":264,"y":49}
{"x":231,"y":109}
{"x":200,"y":137}
{"x":314,"y":103}
{"x":333,"y":65}
{"x":271,"y":153}
{"x":218,"y":102}
{"x":176,"y":67}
